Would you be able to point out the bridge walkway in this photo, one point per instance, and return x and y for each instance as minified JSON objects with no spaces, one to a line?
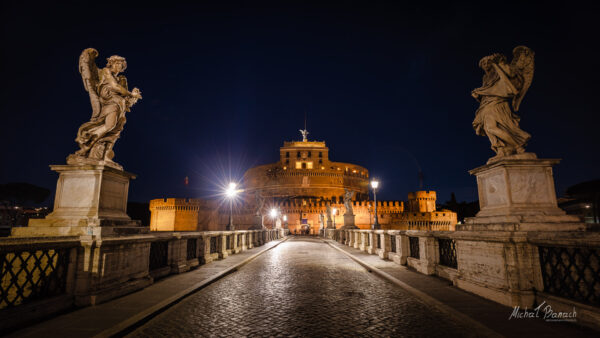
{"x":300,"y":287}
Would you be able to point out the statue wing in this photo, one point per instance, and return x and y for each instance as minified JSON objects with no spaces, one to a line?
{"x":90,"y":76}
{"x":524,"y":70}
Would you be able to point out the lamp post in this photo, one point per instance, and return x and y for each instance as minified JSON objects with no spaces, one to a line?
{"x":231,"y":192}
{"x":333,"y":211}
{"x":274,"y":212}
{"x":375,"y":185}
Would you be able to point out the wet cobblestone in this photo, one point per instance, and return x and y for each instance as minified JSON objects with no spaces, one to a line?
{"x":301,"y":288}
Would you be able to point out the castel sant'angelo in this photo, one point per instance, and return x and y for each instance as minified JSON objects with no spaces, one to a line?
{"x":304,"y":191}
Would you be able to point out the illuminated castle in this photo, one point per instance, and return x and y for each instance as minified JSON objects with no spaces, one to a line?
{"x":300,"y":186}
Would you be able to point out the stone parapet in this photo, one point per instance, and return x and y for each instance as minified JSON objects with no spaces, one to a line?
{"x":87,"y":270}
{"x":514,"y":268}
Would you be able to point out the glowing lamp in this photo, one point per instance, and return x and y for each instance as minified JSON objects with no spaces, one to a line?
{"x":231,"y":191}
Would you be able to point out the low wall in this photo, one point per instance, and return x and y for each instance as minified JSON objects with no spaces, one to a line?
{"x":513,"y":268}
{"x":43,"y":276}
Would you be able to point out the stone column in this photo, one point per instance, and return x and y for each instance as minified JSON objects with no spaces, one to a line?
{"x":250,"y":238}
{"x":178,"y":254}
{"x":383,"y":252}
{"x":222,"y":247}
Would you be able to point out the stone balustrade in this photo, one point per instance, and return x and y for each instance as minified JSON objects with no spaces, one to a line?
{"x":41,"y":276}
{"x":515,"y":269}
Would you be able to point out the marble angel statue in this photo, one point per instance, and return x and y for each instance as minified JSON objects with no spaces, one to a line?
{"x":329,"y":212}
{"x":111,"y":100}
{"x":348,"y":201}
{"x":503,"y":89}
{"x":259,"y":202}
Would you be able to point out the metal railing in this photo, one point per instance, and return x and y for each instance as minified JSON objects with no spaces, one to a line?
{"x":28,"y":275}
{"x":192,"y":248}
{"x":447,"y":251}
{"x":159,"y":255}
{"x":572,"y":273}
{"x":213,"y":245}
{"x":413,"y":243}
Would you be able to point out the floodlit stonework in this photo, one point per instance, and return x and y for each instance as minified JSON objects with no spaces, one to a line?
{"x":307,"y":188}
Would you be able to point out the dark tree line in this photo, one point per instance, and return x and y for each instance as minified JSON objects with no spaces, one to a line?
{"x":462,"y":209}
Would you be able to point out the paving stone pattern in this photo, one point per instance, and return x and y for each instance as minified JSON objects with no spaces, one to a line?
{"x":301,"y":288}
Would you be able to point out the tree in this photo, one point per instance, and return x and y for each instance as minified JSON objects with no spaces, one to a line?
{"x":19,"y":193}
{"x":462,"y":209}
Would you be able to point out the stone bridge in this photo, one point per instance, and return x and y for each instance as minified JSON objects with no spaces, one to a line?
{"x":266,"y":283}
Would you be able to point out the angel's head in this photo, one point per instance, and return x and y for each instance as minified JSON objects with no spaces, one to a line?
{"x":116,"y":64}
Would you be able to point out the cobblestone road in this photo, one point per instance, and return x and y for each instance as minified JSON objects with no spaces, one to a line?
{"x":303,"y":287}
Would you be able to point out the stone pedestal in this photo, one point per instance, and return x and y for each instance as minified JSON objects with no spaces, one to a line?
{"x":258,"y":223}
{"x":90,"y":200}
{"x":330,"y":224}
{"x":517,"y":193}
{"x":349,"y":222}
{"x":495,"y":256}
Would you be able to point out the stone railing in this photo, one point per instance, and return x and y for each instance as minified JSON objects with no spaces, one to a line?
{"x":517,"y":268}
{"x":42,"y":276}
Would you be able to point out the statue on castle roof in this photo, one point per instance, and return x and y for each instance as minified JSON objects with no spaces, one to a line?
{"x":304,"y":133}
{"x":503,"y":83}
{"x":348,"y":194}
{"x":110,"y":99}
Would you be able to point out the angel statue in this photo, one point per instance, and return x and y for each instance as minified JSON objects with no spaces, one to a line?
{"x":259,"y":202}
{"x":348,"y":201}
{"x":503,"y":83}
{"x":110,"y":99}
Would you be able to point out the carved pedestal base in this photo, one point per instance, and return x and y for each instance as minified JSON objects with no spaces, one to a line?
{"x":517,"y":194}
{"x":258,"y":223}
{"x":330,"y":225}
{"x":90,"y":200}
{"x":349,"y":222}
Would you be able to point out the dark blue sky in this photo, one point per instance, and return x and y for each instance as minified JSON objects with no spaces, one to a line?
{"x":387,"y":86}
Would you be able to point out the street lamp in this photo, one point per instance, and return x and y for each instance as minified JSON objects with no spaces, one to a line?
{"x":333,"y":211}
{"x":274,"y":212}
{"x":231,"y":192}
{"x":375,"y":185}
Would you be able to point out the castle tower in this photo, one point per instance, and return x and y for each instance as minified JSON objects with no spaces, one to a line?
{"x":421,"y":201}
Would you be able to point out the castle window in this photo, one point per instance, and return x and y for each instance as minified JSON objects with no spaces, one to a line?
{"x":320,"y":154}
{"x":310,"y":165}
{"x":298,"y":154}
{"x":298,"y":165}
{"x":309,"y":154}
{"x":287,"y":161}
{"x":320,"y":161}
{"x":303,"y":165}
{"x":287,"y":154}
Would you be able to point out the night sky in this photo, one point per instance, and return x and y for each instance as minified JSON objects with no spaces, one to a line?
{"x":224,"y":84}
